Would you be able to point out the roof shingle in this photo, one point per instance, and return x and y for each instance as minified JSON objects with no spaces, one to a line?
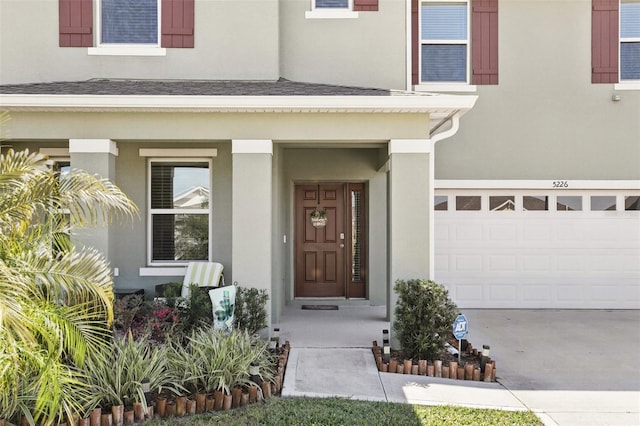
{"x":122,"y":87}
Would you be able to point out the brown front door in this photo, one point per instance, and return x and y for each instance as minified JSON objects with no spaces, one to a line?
{"x":328,"y":259}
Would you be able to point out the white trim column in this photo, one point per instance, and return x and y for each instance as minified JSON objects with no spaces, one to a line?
{"x":252,"y":215}
{"x":95,"y":156}
{"x":410,"y":215}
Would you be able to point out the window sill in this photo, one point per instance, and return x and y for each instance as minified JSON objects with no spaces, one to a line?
{"x":127,"y":51}
{"x":330,"y":14}
{"x":162,"y":271}
{"x":445,"y":87}
{"x":631,"y":85}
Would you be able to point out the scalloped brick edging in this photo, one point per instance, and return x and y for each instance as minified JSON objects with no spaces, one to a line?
{"x":465,"y":371}
{"x":169,"y":408}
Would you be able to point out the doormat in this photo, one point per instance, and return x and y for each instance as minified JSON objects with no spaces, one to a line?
{"x":320,"y":307}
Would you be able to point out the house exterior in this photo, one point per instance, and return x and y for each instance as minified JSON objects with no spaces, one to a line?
{"x":485,"y":144}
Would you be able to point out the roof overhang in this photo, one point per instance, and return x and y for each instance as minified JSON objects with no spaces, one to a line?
{"x":436,"y":104}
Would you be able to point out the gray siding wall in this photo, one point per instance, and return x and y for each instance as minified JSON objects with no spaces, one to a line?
{"x":233,"y":40}
{"x":368,"y":51}
{"x":545,"y":120}
{"x":249,"y":39}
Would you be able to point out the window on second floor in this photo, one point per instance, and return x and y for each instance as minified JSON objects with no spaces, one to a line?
{"x":630,"y":40}
{"x":340,"y":8}
{"x":332,"y":4}
{"x":115,"y":25}
{"x":454,"y":44}
{"x":129,"y":22}
{"x":444,"y":41}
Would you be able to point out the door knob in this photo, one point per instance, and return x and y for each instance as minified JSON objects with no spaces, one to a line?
{"x":341,"y":245}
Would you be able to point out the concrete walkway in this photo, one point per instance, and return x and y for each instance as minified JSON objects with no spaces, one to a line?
{"x":569,"y":367}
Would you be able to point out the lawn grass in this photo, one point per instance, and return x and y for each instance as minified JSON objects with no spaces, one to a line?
{"x":338,"y":411}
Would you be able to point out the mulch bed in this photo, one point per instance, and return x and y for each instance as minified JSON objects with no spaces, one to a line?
{"x":471,"y":366}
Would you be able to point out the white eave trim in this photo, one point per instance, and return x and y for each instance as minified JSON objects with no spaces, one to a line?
{"x":557,"y":184}
{"x":434,"y":104}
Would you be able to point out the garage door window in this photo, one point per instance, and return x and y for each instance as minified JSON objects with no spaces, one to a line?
{"x":535,"y":202}
{"x":502,"y":203}
{"x":464,"y":202}
{"x":569,"y":203}
{"x":603,"y":202}
{"x":632,"y":203}
{"x":441,"y":202}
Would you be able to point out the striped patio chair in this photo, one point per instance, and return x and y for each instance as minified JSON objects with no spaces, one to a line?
{"x":204,"y":274}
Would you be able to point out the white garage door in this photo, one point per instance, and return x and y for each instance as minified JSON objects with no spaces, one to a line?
{"x":537,"y":249}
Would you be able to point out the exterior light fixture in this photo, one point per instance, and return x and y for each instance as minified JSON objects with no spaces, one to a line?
{"x":386,"y":349}
{"x":275,"y":338}
{"x":254,"y":373}
{"x":485,"y":357}
{"x":146,"y":389}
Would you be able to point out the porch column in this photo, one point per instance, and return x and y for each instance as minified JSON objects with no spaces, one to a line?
{"x":251,"y":211}
{"x":410,"y":215}
{"x":95,"y":156}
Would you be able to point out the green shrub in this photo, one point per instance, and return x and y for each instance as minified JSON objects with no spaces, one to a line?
{"x":424,"y":316}
{"x":198,"y":312}
{"x":250,"y":310}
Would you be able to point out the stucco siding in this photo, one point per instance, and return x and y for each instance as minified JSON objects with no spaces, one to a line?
{"x":545,"y":120}
{"x":233,"y":40}
{"x":368,"y":51}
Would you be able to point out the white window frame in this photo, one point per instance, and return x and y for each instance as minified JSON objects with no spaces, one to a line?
{"x":151,"y":212}
{"x":445,"y":86}
{"x":121,"y":49}
{"x":626,"y":84}
{"x":331,"y":13}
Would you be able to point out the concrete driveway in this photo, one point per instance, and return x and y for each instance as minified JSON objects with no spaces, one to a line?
{"x":578,"y":367}
{"x":571,"y":367}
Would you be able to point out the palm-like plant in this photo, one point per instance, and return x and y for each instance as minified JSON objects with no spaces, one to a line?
{"x":116,"y":377}
{"x":214,"y":360}
{"x":55,"y":301}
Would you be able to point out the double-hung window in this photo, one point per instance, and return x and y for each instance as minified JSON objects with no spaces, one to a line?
{"x":126,"y":27}
{"x":180,"y":210}
{"x":332,"y":4}
{"x":630,"y":40}
{"x":323,"y":9}
{"x":454,"y":44}
{"x":126,"y":22}
{"x":444,"y":42}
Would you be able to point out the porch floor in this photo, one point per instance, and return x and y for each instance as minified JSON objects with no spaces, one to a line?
{"x":348,"y":327}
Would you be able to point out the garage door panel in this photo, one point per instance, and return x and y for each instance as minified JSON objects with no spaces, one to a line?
{"x":571,"y":263}
{"x":503,"y":293}
{"x":503,"y":263}
{"x":604,"y":292}
{"x":470,"y":292}
{"x":570,"y":293}
{"x":534,"y":232}
{"x":467,"y":263}
{"x":541,"y":259}
{"x":503,"y":232}
{"x":441,"y":263}
{"x":536,"y":263}
{"x":442,"y":234}
{"x":469,"y":232}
